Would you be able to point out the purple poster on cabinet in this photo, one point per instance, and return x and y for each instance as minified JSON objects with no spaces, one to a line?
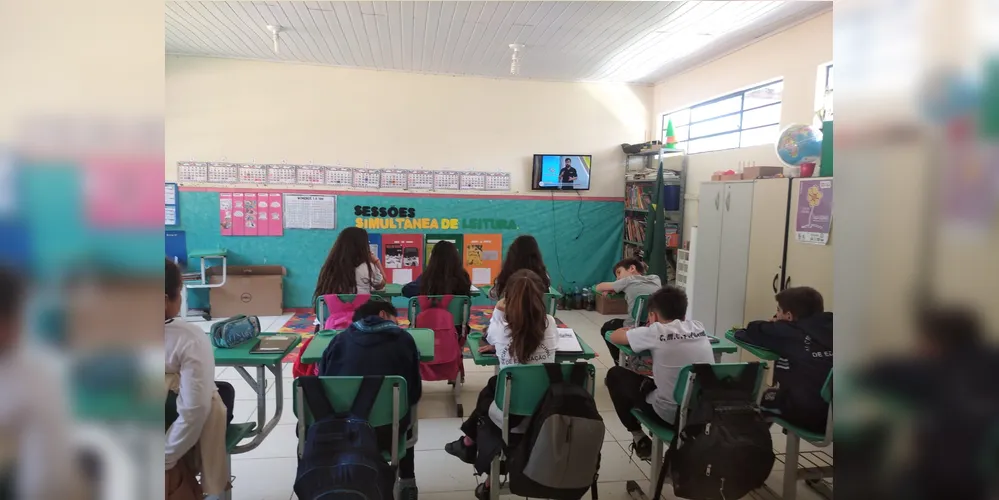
{"x":814,"y":217}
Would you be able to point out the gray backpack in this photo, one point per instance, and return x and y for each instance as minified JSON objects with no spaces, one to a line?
{"x":559,"y":456}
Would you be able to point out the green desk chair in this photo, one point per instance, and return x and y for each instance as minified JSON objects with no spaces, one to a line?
{"x":460,"y":308}
{"x":813,"y":476}
{"x":323,"y":311}
{"x":519,"y":390}
{"x":551,"y":302}
{"x":686,"y":392}
{"x":639,"y":316}
{"x":389,"y":408}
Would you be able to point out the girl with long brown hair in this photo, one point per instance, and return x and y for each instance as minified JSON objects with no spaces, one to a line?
{"x":523,"y":253}
{"x":520,"y":333}
{"x":350,"y":266}
{"x":444,"y":274}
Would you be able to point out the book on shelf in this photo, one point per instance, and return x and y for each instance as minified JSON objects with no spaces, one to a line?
{"x":634,"y":229}
{"x":638,"y":197}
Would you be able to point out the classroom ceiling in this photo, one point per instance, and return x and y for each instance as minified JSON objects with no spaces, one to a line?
{"x":637,"y":42}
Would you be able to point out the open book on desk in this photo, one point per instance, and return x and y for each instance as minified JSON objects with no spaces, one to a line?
{"x":568,"y":343}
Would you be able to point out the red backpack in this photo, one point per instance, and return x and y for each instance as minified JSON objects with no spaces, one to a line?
{"x":340,"y":316}
{"x":434,"y":315}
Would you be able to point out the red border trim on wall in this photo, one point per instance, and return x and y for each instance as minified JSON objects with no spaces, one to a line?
{"x":559,"y":197}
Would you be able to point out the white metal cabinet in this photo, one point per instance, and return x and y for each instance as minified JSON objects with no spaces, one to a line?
{"x":766,"y":247}
{"x":707,"y":254}
{"x":737,"y":208}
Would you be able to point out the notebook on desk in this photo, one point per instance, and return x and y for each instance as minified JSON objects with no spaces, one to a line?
{"x":474,"y":289}
{"x":272,"y":343}
{"x":568,"y":343}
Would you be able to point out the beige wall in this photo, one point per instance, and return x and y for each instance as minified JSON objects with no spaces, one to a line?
{"x":794,"y":55}
{"x":247,"y":111}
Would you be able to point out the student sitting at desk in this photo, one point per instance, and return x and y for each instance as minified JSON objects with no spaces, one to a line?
{"x":520,"y":333}
{"x":444,"y":274}
{"x":374,"y":344}
{"x":632,"y":281}
{"x":675,"y":342}
{"x":523,"y":253}
{"x":802,"y":334}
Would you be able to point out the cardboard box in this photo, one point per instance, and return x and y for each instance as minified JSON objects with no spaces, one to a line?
{"x":611,"y":304}
{"x":249,"y":290}
{"x":733,"y":177}
{"x":749,"y":173}
{"x":716,"y":177}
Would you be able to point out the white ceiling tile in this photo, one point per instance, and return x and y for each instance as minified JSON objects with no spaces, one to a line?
{"x":641,"y":42}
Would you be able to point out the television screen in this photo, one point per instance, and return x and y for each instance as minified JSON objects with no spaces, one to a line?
{"x":566,"y":172}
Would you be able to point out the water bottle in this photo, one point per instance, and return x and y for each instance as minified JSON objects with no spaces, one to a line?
{"x":577,"y":298}
{"x":591,"y":303}
{"x":560,"y":303}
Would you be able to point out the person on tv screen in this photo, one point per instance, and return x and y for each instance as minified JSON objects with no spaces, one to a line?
{"x":568,"y":175}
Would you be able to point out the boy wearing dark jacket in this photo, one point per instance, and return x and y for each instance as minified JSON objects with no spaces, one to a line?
{"x":802,"y":334}
{"x":374,"y":344}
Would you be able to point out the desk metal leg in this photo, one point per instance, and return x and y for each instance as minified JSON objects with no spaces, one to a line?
{"x":790,"y":489}
{"x":718,"y":357}
{"x":260,"y":387}
{"x":657,"y":463}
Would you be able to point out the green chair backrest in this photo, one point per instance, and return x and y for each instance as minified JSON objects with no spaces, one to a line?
{"x":551,"y":303}
{"x":321,"y":310}
{"x":827,"y":388}
{"x":722,"y":371}
{"x":341,"y":392}
{"x":460,"y":308}
{"x":640,"y":311}
{"x":528,"y":385}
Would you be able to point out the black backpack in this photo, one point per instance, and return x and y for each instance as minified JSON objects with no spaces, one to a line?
{"x":560,"y":454}
{"x":725,"y":449}
{"x":341,"y":458}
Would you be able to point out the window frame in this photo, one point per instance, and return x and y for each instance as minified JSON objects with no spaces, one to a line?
{"x":742,"y":110}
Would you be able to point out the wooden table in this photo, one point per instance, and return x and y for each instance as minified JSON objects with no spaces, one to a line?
{"x":240,"y":357}
{"x":423,"y":337}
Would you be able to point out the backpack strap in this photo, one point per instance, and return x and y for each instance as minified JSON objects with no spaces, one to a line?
{"x":364,"y":401}
{"x":315,"y":397}
{"x":579,"y":373}
{"x":554,"y":372}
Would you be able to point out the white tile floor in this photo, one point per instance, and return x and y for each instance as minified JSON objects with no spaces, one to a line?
{"x":268,"y":472}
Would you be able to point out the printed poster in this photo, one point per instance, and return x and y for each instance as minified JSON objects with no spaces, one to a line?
{"x":432,"y":239}
{"x":238,"y":215}
{"x":483,"y":257}
{"x":813,"y":219}
{"x":375,"y":244}
{"x":250,"y":214}
{"x":276,"y":207}
{"x":225,"y":213}
{"x":263,"y":214}
{"x":403,"y":257}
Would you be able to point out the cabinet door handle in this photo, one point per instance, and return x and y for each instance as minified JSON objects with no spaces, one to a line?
{"x":776,"y":275}
{"x":717,"y":199}
{"x":728,"y":201}
{"x":787,"y":283}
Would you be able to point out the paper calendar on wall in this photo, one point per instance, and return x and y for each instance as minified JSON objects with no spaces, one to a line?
{"x":223,"y":173}
{"x":188,"y":171}
{"x":281,"y":174}
{"x":446,"y":179}
{"x":497,"y":181}
{"x":366,"y":178}
{"x":339,"y":176}
{"x":252,"y":174}
{"x":394,"y":179}
{"x":473,"y":181}
{"x":311,"y":174}
{"x":419,"y":179}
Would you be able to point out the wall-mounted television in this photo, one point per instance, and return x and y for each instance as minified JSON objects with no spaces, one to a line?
{"x":563,"y":172}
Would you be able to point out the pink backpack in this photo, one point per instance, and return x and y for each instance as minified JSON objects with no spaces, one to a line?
{"x":342,"y":312}
{"x":434,"y":315}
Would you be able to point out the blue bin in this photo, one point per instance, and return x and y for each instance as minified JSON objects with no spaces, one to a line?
{"x":671,"y":197}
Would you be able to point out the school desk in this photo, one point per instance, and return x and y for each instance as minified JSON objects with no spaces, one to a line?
{"x":757,"y":351}
{"x":423,"y":337}
{"x":203,"y":280}
{"x":240,"y":358}
{"x":395,"y":290}
{"x":723,"y":346}
{"x":551,"y":297}
{"x":475,"y":340}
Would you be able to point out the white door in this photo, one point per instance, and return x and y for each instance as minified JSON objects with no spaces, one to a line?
{"x":737,"y":209}
{"x":707,"y":253}
{"x":808,"y":264}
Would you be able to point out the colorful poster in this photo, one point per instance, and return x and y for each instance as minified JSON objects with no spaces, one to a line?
{"x":483,"y":257}
{"x":225,"y":213}
{"x":432,"y":239}
{"x":263,"y":214}
{"x":238,"y":222}
{"x":375,"y":244}
{"x":250,"y":213}
{"x":276,"y":206}
{"x":813,"y":219}
{"x":402,"y":257}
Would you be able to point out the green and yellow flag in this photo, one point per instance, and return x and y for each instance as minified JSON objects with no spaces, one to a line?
{"x":655,"y":232}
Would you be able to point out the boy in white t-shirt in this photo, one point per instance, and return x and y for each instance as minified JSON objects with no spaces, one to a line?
{"x":674,"y":343}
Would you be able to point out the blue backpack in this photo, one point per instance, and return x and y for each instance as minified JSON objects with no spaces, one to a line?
{"x":341,"y":459}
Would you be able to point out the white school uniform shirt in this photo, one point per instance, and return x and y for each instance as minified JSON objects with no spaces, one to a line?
{"x":189,"y":354}
{"x":498,"y":334}
{"x":365,"y":281}
{"x":673,"y":345}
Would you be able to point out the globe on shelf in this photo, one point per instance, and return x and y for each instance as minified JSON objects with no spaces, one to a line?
{"x":799,"y":144}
